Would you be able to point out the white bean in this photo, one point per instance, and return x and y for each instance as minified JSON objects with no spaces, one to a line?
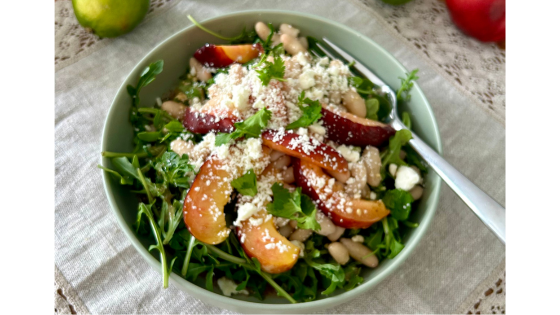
{"x":354,"y":103}
{"x":293,"y":224}
{"x":359,"y":252}
{"x":359,"y":172}
{"x":337,"y":233}
{"x":339,"y":176}
{"x":289,"y":30}
{"x":282,"y":162}
{"x":373,"y":165}
{"x":416,"y":192}
{"x":202,"y":73}
{"x":181,"y":147}
{"x":274,"y":155}
{"x":338,"y":252}
{"x":286,"y":230}
{"x":288,"y":175}
{"x":292,"y":45}
{"x":303,"y":42}
{"x":327,"y":227}
{"x":174,"y":109}
{"x":262,"y":30}
{"x":300,"y":235}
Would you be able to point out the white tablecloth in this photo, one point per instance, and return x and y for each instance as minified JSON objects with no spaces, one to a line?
{"x":100,"y":271}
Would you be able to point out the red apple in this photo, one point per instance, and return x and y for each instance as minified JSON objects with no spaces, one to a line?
{"x":330,"y":198}
{"x":484,"y":20}
{"x":219,"y":56}
{"x":349,"y":129}
{"x":305,"y":148}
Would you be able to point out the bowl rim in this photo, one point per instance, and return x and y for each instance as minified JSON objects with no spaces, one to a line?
{"x":259,"y":306}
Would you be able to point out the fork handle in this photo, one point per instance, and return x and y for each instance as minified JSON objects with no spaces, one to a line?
{"x":488,"y":210}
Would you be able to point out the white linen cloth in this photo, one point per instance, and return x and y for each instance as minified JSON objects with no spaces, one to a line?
{"x":109,"y":276}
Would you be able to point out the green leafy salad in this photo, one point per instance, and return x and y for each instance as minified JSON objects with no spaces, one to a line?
{"x":268,"y":169}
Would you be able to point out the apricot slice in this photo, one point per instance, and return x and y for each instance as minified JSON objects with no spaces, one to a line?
{"x":219,"y":56}
{"x":330,"y":198}
{"x":274,"y":252}
{"x":349,"y":129}
{"x":306,"y":149}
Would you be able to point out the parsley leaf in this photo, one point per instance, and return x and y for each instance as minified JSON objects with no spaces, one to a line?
{"x":311,"y":113}
{"x":250,"y":127}
{"x":294,"y":206}
{"x":406,"y":85}
{"x":147,"y":76}
{"x":400,"y":138}
{"x":271,"y":70}
{"x":174,"y":169}
{"x":246,"y":184}
{"x":398,"y":201}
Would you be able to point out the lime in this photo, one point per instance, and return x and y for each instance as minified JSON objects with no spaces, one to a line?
{"x":110,"y":18}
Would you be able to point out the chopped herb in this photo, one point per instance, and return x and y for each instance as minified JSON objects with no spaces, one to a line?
{"x":246,"y":184}
{"x":310,"y":113}
{"x":294,"y":206}
{"x":250,"y":128}
{"x":271,"y":70}
{"x":406,"y":85}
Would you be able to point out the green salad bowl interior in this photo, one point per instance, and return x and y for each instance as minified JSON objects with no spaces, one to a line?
{"x":176,"y":51}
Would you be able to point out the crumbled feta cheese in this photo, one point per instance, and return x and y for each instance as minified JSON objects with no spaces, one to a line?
{"x":372,"y":195}
{"x":228,"y":287}
{"x":316,"y":128}
{"x":255,"y":222}
{"x":406,"y":178}
{"x":307,"y":79}
{"x":301,"y":247}
{"x":357,"y":239}
{"x":244,"y":212}
{"x":393,"y":169}
{"x":240,"y":96}
{"x":348,"y":153}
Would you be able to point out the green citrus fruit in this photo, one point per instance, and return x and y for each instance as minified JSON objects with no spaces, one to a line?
{"x":110,"y":18}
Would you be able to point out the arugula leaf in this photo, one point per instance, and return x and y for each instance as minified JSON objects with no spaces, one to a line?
{"x":352,"y":276}
{"x":374,"y":240}
{"x":175,"y":214}
{"x":146,"y":210}
{"x":406,"y":120}
{"x":294,"y":206}
{"x":392,"y":246}
{"x":244,"y":37}
{"x":249,"y":128}
{"x":399,"y":202}
{"x":209,"y":283}
{"x":149,"y":136}
{"x":310,"y":113}
{"x":332,"y":272}
{"x":125,"y":180}
{"x":147,"y":76}
{"x":406,"y":85}
{"x":175,"y":126}
{"x":400,"y":138}
{"x":413,"y":158}
{"x":372,"y":107}
{"x":271,"y":70}
{"x":246,"y":184}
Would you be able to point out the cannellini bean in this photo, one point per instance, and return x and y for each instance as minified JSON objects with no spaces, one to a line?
{"x":274,"y":155}
{"x":359,"y":252}
{"x":373,"y":165}
{"x":202,"y":73}
{"x":286,"y":230}
{"x":354,"y":103}
{"x":293,"y":224}
{"x":416,"y":192}
{"x":301,"y":247}
{"x":303,"y":42}
{"x":181,"y":97}
{"x":263,"y":31}
{"x":338,"y":252}
{"x":288,"y":29}
{"x":335,"y":97}
{"x":282,"y":162}
{"x":288,"y":175}
{"x":327,"y":227}
{"x":366,"y":192}
{"x":292,"y":45}
{"x":339,"y":176}
{"x":300,"y":235}
{"x":337,"y":233}
{"x":174,"y":109}
{"x":359,"y":172}
{"x":181,"y":146}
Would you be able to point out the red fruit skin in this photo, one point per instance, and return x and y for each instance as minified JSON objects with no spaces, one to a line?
{"x":199,"y":122}
{"x":484,"y":20}
{"x":216,"y":56}
{"x":353,"y":130}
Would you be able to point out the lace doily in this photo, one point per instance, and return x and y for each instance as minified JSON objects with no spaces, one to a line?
{"x":66,"y":301}
{"x":474,"y":67}
{"x":73,"y":42}
{"x":489,"y":298}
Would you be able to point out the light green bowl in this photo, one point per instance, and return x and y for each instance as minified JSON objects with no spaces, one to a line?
{"x":176,"y":51}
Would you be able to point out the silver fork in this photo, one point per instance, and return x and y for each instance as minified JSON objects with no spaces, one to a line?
{"x":487,"y":209}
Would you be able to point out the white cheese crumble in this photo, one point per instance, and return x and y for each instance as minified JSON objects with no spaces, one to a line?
{"x":348,"y":153}
{"x":406,"y":178}
{"x":228,"y":287}
{"x":307,"y":79}
{"x":393,"y":169}
{"x":244,"y":212}
{"x":318,"y":129}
